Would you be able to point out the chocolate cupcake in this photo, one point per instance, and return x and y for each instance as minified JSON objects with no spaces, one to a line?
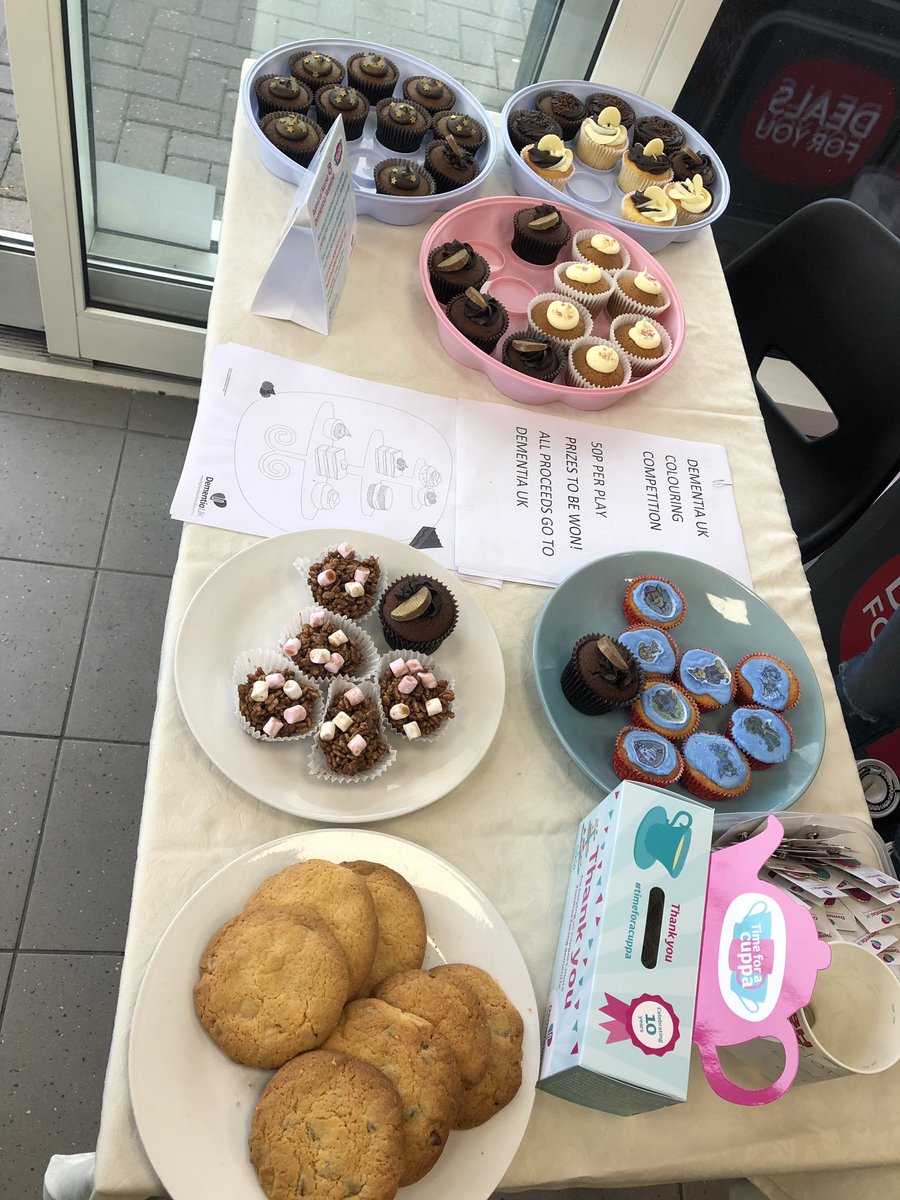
{"x":294,"y":135}
{"x":397,"y":177}
{"x":453,"y":267}
{"x":597,"y":101}
{"x":433,"y":94}
{"x":526,"y":127}
{"x":469,"y":133}
{"x":450,"y":165}
{"x":643,"y":165}
{"x":539,"y":234}
{"x":343,"y":583}
{"x":648,"y":128}
{"x":350,"y":105}
{"x":372,"y":74}
{"x":564,"y":108}
{"x":401,"y":124}
{"x":417,"y":613}
{"x":282,"y":93}
{"x":533,"y":355}
{"x":316,"y":69}
{"x":481,"y":319}
{"x":601,"y":675}
{"x":687,"y":163}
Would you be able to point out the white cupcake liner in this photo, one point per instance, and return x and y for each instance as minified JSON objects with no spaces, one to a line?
{"x":631,"y":179}
{"x":553,"y":178}
{"x":249,"y":661}
{"x":575,"y":379}
{"x":318,"y":764}
{"x":594,"y":302}
{"x":563,"y":343}
{"x":353,"y":631}
{"x":583,"y":234}
{"x":599,"y":158}
{"x":641,"y":366}
{"x":430,"y":664}
{"x":302,"y":565}
{"x":621,"y":302}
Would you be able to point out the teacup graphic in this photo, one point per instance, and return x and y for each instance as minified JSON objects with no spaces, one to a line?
{"x":661,"y":840}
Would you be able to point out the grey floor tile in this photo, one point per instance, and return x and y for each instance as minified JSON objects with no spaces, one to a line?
{"x":172,"y":416}
{"x":5,"y":964}
{"x":708,"y":1189}
{"x":53,"y":1052}
{"x":82,"y":887}
{"x":67,"y":400}
{"x":24,"y":787}
{"x":141,"y":536}
{"x":42,"y":614}
{"x":115,"y":690}
{"x":60,"y":478}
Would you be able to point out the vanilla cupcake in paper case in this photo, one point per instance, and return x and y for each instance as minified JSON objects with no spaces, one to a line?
{"x":602,"y":140}
{"x":551,"y":160}
{"x":650,"y":207}
{"x":692,"y":199}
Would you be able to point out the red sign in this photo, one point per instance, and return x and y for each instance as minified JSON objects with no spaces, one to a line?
{"x":867,"y":614}
{"x":817,"y":122}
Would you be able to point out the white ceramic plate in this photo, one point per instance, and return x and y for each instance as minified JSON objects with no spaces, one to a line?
{"x":247,"y":602}
{"x":193,"y":1106}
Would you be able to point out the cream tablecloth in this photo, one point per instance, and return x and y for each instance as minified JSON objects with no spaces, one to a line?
{"x":510,"y":827}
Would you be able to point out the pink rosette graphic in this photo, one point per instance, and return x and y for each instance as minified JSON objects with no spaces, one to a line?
{"x":648,"y":1021}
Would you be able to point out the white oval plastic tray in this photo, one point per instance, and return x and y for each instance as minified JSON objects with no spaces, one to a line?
{"x":597,"y":192}
{"x":366,"y":152}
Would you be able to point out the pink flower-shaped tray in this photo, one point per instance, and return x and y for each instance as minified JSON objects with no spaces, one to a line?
{"x":487,"y":225}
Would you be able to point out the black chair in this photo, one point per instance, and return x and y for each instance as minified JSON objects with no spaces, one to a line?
{"x":823,"y":291}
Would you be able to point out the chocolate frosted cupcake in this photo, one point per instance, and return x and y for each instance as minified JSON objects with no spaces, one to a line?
{"x":533,"y":355}
{"x":450,"y":164}
{"x":453,"y":267}
{"x":648,"y":128}
{"x":417,"y":613}
{"x":343,"y":583}
{"x":597,"y":101}
{"x":481,"y":319}
{"x":563,"y":108}
{"x":401,"y":124}
{"x":316,"y":70}
{"x":469,"y":133}
{"x":397,"y":177}
{"x":526,"y":127}
{"x":347,"y":103}
{"x":372,"y":74}
{"x":539,"y":234}
{"x":643,"y":165}
{"x":282,"y":93}
{"x":433,"y":94}
{"x":294,"y":135}
{"x":688,"y":163}
{"x":600,"y":675}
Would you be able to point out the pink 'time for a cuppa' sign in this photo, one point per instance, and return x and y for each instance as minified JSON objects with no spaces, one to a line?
{"x":759,"y":958}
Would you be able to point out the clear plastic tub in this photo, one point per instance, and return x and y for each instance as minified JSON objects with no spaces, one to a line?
{"x":366,"y":152}
{"x":858,"y":836}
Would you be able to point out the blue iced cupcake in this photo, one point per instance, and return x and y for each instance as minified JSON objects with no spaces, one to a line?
{"x":763,"y":736}
{"x":707,"y":677}
{"x":666,"y":709}
{"x":653,"y":648}
{"x":646,"y":757}
{"x":765,"y":680}
{"x":714,"y":768}
{"x":652,"y":601}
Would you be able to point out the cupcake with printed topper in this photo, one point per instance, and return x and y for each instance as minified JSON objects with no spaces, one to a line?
{"x":666,"y":709}
{"x":602,"y":140}
{"x":706,"y":677}
{"x":765,"y":680}
{"x":653,"y":600}
{"x":646,"y":757}
{"x":416,"y":698}
{"x":655,"y":650}
{"x":418,"y":613}
{"x":551,"y":159}
{"x":651,"y":206}
{"x":714,"y":768}
{"x":600,"y":675}
{"x":343,"y":582}
{"x":274,"y":702}
{"x":764,"y":737}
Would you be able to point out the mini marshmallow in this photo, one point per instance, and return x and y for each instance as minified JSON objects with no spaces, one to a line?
{"x":275,"y":680}
{"x":327,"y":731}
{"x":407,"y":684}
{"x":433,"y":707}
{"x":343,"y":721}
{"x":412,"y":730}
{"x":334,"y":664}
{"x":354,"y":696}
{"x":361,"y":574}
{"x":414,"y":665}
{"x":260,"y":690}
{"x":291,"y":647}
{"x":326,"y":577}
{"x":357,"y":744}
{"x":399,"y":712}
{"x":427,"y":680}
{"x":294,"y":714}
{"x":338,"y":638}
{"x":398,"y":667}
{"x":272,"y":726}
{"x":354,"y":589}
{"x":345,"y":550}
{"x":292,"y":689}
{"x":319,"y":656}
{"x":317,"y":618}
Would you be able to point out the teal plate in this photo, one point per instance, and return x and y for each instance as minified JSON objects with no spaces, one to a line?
{"x":722,"y":615}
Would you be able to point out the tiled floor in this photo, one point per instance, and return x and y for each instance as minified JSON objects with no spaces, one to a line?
{"x":86,"y":554}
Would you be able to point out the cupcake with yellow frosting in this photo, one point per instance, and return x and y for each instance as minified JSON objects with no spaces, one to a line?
{"x":596,"y":363}
{"x":640,"y":292}
{"x":600,"y":248}
{"x":650,"y":207}
{"x":644,"y":342}
{"x":692,"y":200}
{"x":645,"y":165}
{"x":550,"y":159}
{"x":602,"y":140}
{"x":563,"y":322}
{"x":586,"y":282}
